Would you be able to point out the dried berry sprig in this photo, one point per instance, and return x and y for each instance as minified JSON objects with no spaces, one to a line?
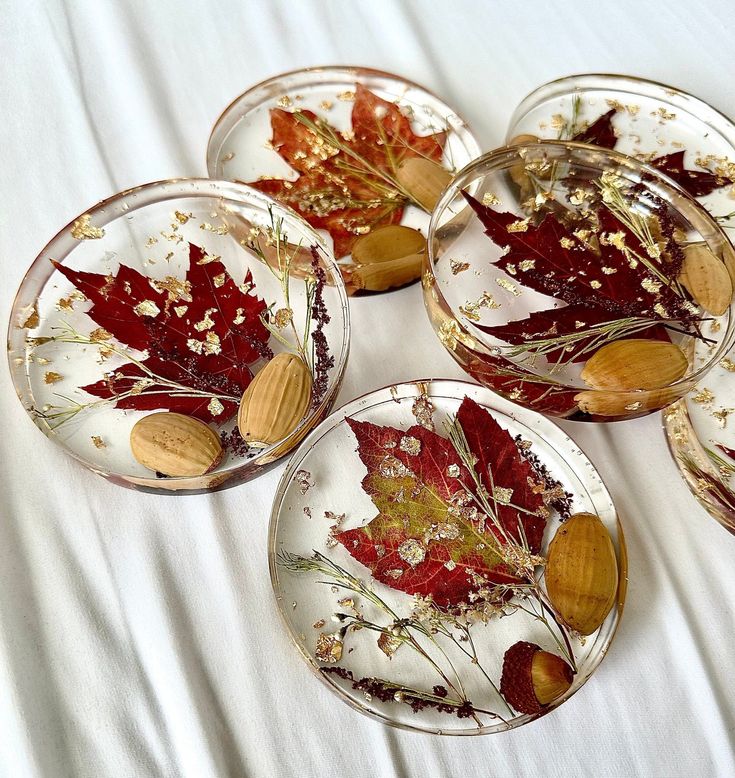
{"x":387,"y":691}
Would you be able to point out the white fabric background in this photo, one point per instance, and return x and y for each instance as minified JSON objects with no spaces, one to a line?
{"x":138,"y":635}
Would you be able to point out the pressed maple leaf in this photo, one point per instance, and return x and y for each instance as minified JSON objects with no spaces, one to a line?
{"x":347,"y":181}
{"x":600,"y":132}
{"x":200,"y":334}
{"x":696,"y":182}
{"x":428,"y":537}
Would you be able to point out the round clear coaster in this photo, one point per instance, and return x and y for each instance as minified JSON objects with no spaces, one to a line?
{"x":171,"y":297}
{"x":410,"y":642}
{"x":330,"y":142}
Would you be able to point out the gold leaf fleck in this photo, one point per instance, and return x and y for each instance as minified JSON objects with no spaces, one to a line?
{"x":98,"y":442}
{"x":51,"y":378}
{"x":215,"y":407}
{"x":147,"y":308}
{"x":458,"y":267}
{"x":83,"y":229}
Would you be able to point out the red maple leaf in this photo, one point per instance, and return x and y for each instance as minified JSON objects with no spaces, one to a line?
{"x":696,"y":182}
{"x":200,"y":333}
{"x":347,"y":180}
{"x":428,"y":537}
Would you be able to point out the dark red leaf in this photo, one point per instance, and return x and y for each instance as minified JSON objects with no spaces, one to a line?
{"x":697,"y":182}
{"x":425,"y":539}
{"x":346,"y":186}
{"x":600,"y":132}
{"x":201,"y":333}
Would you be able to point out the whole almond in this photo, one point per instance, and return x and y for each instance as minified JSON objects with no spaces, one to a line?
{"x":175,"y":445}
{"x":390,"y":242}
{"x":424,"y":180}
{"x":706,"y":279}
{"x":379,"y":276}
{"x":626,"y":404}
{"x":636,"y":363}
{"x":275,"y":401}
{"x":582,"y":572}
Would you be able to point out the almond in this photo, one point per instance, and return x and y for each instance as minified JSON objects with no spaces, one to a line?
{"x":635,"y":364}
{"x":379,"y":276}
{"x":582,"y":572}
{"x":626,"y":404}
{"x":275,"y":401}
{"x":423,"y":180}
{"x":706,"y":279}
{"x":390,"y":242}
{"x":175,"y":445}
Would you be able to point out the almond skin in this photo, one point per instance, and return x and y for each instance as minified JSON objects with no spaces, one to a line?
{"x":706,"y":279}
{"x":582,"y":572}
{"x":390,"y":242}
{"x":635,"y":364}
{"x":275,"y":401}
{"x":424,"y":180}
{"x":175,"y":445}
{"x":379,"y":276}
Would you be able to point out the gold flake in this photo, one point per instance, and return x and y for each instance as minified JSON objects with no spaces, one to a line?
{"x":728,"y":364}
{"x":348,"y":135}
{"x":177,"y":288}
{"x":722,"y":415}
{"x":83,"y":229}
{"x":172,"y":236}
{"x":567,"y":243}
{"x":608,"y":271}
{"x":194,"y":345}
{"x":207,"y":258}
{"x":239,"y":316}
{"x":502,"y":495}
{"x":212,"y":344}
{"x":99,"y":335}
{"x":284,"y":101}
{"x":39,"y":360}
{"x":147,"y":308}
{"x":221,"y":229}
{"x":347,"y":96}
{"x":329,"y":647}
{"x":219,"y":280}
{"x":410,"y":445}
{"x":663,"y":114}
{"x":579,"y":324}
{"x":29,"y":318}
{"x":395,"y":573}
{"x":126,"y":286}
{"x":458,"y":267}
{"x":319,"y":624}
{"x":412,"y":552}
{"x":215,"y":407}
{"x":207,"y":322}
{"x":169,"y":256}
{"x":650,"y":285}
{"x":389,"y":644}
{"x":283,"y":317}
{"x":139,"y":386}
{"x":392,"y":467}
{"x":449,"y":334}
{"x":98,"y":442}
{"x":183,"y":218}
{"x":510,"y":269}
{"x":558,"y":121}
{"x":180,"y":310}
{"x":453,"y":471}
{"x":490,"y":199}
{"x":509,"y":286}
{"x":471,"y":309}
{"x":661,"y":311}
{"x":578,"y":196}
{"x":65,"y":304}
{"x":326,"y":105}
{"x":151,"y":241}
{"x":51,"y":378}
{"x":704,"y":397}
{"x":527,"y":264}
{"x":227,"y":157}
{"x":518,"y":226}
{"x":715,"y":326}
{"x":516,"y":394}
{"x":595,"y":284}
